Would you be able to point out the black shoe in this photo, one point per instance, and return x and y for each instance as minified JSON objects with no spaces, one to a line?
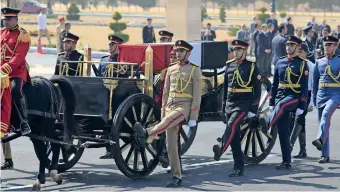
{"x":324,"y":160}
{"x":8,"y":164}
{"x":25,"y":128}
{"x":164,"y":160}
{"x":302,"y":154}
{"x":236,"y":173}
{"x":283,"y":166}
{"x":318,"y":144}
{"x":217,"y":152}
{"x":174,"y":182}
{"x":107,"y":155}
{"x":140,"y":134}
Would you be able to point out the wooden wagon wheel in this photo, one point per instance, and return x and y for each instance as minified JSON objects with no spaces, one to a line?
{"x":133,"y":161}
{"x":187,"y":136}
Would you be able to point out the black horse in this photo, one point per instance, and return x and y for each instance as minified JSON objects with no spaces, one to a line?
{"x":46,"y":99}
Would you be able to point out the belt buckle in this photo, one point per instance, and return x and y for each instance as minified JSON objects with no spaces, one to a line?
{"x":233,"y":90}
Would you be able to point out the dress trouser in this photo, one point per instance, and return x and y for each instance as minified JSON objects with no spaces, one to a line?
{"x":325,"y":114}
{"x":281,"y":117}
{"x":6,"y":149}
{"x":232,"y":137}
{"x":170,"y":123}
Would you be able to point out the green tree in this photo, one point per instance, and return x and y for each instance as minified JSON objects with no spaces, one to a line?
{"x":204,"y":13}
{"x":263,"y":16}
{"x":64,"y":2}
{"x":83,"y":3}
{"x":221,"y":13}
{"x":73,"y":12}
{"x":117,"y":27}
{"x":95,"y":3}
{"x":145,"y":4}
{"x":111,"y":3}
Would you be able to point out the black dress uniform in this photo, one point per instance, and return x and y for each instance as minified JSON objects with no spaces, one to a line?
{"x":289,"y":93}
{"x":242,"y":92}
{"x":311,"y":45}
{"x":69,"y":69}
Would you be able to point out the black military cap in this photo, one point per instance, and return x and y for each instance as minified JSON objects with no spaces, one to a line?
{"x":304,"y":47}
{"x":115,"y":39}
{"x":8,"y":12}
{"x":240,"y":43}
{"x":164,"y":33}
{"x":181,"y":44}
{"x":307,"y":29}
{"x":293,"y":39}
{"x":330,"y":40}
{"x":70,"y":37}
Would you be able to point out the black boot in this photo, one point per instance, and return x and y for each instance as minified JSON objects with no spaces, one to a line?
{"x":295,"y":134}
{"x":318,"y":144}
{"x":22,"y":107}
{"x":283,"y":166}
{"x":107,"y":155}
{"x":303,"y":151}
{"x":236,"y":173}
{"x":8,"y":164}
{"x":141,"y":134}
{"x":174,"y":182}
{"x":324,"y":160}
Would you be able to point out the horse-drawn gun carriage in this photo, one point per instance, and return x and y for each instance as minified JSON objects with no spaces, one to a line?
{"x":107,"y":107}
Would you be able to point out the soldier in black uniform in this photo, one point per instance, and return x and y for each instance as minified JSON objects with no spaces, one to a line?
{"x":70,"y":54}
{"x":242,"y":92}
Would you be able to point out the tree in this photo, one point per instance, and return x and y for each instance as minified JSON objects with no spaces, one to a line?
{"x":95,"y":3}
{"x":204,"y":13}
{"x":83,"y":3}
{"x":64,"y":2}
{"x":111,"y":3}
{"x":222,"y":13}
{"x":117,"y":27}
{"x":72,"y":12}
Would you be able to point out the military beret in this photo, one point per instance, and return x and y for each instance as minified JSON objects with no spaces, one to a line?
{"x":164,"y":33}
{"x":9,"y":12}
{"x":181,"y":44}
{"x":308,"y":28}
{"x":330,"y":39}
{"x":293,"y":39}
{"x":115,"y":39}
{"x":304,"y":47}
{"x":70,"y":37}
{"x":240,"y":43}
{"x":149,"y":19}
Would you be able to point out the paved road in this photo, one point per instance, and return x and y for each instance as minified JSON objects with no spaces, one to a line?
{"x":201,"y":171}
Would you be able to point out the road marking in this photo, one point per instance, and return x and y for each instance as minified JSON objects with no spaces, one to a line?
{"x":16,"y":188}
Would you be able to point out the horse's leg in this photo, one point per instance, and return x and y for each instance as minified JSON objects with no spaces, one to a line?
{"x":40,"y":151}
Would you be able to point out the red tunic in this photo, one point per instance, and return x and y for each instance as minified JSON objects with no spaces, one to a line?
{"x":15,"y":44}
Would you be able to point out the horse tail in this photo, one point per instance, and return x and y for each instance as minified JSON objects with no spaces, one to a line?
{"x":69,"y":104}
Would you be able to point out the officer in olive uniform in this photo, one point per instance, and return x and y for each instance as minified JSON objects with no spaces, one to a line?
{"x":181,"y":102}
{"x":289,"y":94}
{"x":70,"y":54}
{"x":115,"y":41}
{"x":326,"y":93}
{"x":165,"y":36}
{"x":242,"y":92}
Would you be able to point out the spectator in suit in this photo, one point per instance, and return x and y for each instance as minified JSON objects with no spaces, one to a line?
{"x":314,"y":25}
{"x":298,"y":32}
{"x":273,"y":20}
{"x":209,"y":34}
{"x":338,"y":32}
{"x":251,"y":31}
{"x":263,"y":50}
{"x":325,"y":25}
{"x":279,"y":44}
{"x":243,"y":34}
{"x":256,"y":32}
{"x":148,"y":32}
{"x":319,"y":43}
{"x":270,"y":35}
{"x":290,"y":26}
{"x":59,"y":28}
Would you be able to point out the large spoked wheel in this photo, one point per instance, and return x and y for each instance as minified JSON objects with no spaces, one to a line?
{"x":187,"y":135}
{"x":256,"y":141}
{"x":67,"y":158}
{"x":134,"y":161}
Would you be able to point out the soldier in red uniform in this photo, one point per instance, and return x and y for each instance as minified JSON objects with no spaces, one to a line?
{"x":15,"y":43}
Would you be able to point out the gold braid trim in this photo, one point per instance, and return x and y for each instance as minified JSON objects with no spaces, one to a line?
{"x":24,"y":36}
{"x":239,"y":79}
{"x":4,"y":81}
{"x":4,"y":127}
{"x":288,"y":75}
{"x":180,"y":80}
{"x":328,"y":70}
{"x":6,"y":68}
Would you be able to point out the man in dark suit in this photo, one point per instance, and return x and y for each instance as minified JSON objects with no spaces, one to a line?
{"x":149,"y":33}
{"x":270,"y":35}
{"x":338,"y":31}
{"x":273,"y":20}
{"x":290,"y":26}
{"x":325,"y":25}
{"x":263,"y":50}
{"x":319,"y":43}
{"x":209,"y":34}
{"x":310,"y":41}
{"x":279,"y":44}
{"x":254,"y":38}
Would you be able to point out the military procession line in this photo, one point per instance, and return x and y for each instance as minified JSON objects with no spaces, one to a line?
{"x":297,"y":86}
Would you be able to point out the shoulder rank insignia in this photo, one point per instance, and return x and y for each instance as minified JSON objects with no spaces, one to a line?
{"x":283,"y":57}
{"x":105,"y":56}
{"x":24,"y":36}
{"x":251,"y":59}
{"x":306,"y":72}
{"x":230,"y":61}
{"x":194,"y":64}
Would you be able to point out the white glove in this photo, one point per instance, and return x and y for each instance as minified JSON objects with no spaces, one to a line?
{"x":310,"y":108}
{"x":271,"y":108}
{"x":298,"y":111}
{"x":192,"y":123}
{"x":250,"y":114}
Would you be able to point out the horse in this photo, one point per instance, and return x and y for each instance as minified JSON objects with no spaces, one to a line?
{"x":46,"y":99}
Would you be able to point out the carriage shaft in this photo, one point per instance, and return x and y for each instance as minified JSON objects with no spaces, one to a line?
{"x":94,"y":139}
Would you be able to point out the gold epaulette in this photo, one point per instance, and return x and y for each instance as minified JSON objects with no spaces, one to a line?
{"x":283,"y":57}
{"x":194,"y":64}
{"x":230,"y":61}
{"x":251,"y":59}
{"x":24,"y":36}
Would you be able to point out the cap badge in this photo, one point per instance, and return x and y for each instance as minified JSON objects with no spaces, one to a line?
{"x":4,"y":11}
{"x":179,"y":42}
{"x":326,"y":38}
{"x":236,"y":42}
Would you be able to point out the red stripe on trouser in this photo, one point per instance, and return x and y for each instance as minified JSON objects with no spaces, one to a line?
{"x":232,"y":131}
{"x":281,"y":110}
{"x":329,"y":124}
{"x":6,"y":108}
{"x":167,"y":126}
